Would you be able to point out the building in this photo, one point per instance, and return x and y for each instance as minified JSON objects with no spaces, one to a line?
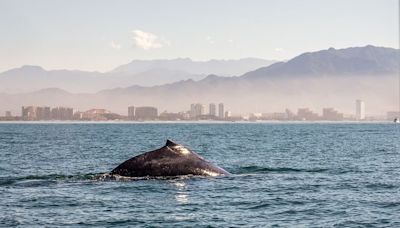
{"x":8,"y":114}
{"x":168,"y":116}
{"x":131,"y":112}
{"x":35,"y":113}
{"x":28,"y":113}
{"x":146,"y":113}
{"x":95,"y":114}
{"x":196,"y":110}
{"x":191,"y":111}
{"x":255,"y":116}
{"x":228,"y":114}
{"x":274,"y":116}
{"x":360,"y":110}
{"x":212,"y":110}
{"x":43,"y":113}
{"x":221,"y":110}
{"x":62,"y":113}
{"x":331,"y":114}
{"x":290,"y":115}
{"x":306,"y":114}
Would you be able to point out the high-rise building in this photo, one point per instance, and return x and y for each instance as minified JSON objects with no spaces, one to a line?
{"x":192,"y":111}
{"x":212,"y":109}
{"x":62,"y":113}
{"x":43,"y":113}
{"x":146,"y":113}
{"x":201,"y":109}
{"x":197,"y":110}
{"x":360,"y":110}
{"x":131,"y":112}
{"x":35,"y":113}
{"x":221,"y":110}
{"x":228,"y":114}
{"x":28,"y":112}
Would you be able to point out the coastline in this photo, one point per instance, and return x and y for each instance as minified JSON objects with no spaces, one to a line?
{"x":200,"y":122}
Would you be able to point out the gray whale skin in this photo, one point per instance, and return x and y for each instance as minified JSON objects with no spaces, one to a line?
{"x":170,"y":160}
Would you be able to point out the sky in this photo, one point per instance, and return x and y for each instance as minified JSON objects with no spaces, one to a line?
{"x":99,"y":35}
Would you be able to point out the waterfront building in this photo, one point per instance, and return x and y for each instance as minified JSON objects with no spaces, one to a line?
{"x":196,"y":110}
{"x":131,"y":112}
{"x":62,"y":113}
{"x":212,"y":110}
{"x":168,"y":116}
{"x":35,"y":113}
{"x":331,"y":114}
{"x":360,"y":110}
{"x":8,"y":114}
{"x":28,"y":113}
{"x":221,"y":110}
{"x":95,"y":114}
{"x":290,"y":115}
{"x":146,"y":113}
{"x":306,"y":114}
{"x":43,"y":113}
{"x":274,"y":116}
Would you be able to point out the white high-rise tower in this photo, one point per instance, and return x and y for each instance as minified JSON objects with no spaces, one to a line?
{"x":360,"y":110}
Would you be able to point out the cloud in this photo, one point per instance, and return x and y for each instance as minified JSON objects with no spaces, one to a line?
{"x":115,"y":45}
{"x":279,"y":49}
{"x":147,"y":40}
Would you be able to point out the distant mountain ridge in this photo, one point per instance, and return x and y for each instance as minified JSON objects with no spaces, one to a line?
{"x":218,"y":67}
{"x":138,"y":72}
{"x":349,"y":61}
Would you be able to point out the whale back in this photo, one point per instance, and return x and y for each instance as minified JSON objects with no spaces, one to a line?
{"x":170,"y":160}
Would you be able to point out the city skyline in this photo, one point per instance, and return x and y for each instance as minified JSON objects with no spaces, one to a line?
{"x":197,"y":111}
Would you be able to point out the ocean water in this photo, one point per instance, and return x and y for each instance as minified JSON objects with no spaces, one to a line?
{"x":283,"y":175}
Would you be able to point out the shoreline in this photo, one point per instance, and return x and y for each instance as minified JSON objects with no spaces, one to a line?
{"x":201,"y":122}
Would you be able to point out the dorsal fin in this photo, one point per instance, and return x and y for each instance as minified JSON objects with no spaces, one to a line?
{"x":170,"y":143}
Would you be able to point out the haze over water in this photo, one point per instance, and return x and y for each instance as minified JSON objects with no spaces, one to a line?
{"x":309,"y":174}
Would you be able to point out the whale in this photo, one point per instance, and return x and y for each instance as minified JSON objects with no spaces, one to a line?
{"x":172,"y":159}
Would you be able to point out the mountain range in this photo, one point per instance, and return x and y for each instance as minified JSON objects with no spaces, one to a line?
{"x":218,"y":67}
{"x":326,"y":78}
{"x":368,"y":60}
{"x":138,"y":72}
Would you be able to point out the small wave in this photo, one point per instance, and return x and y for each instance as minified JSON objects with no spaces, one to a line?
{"x":259,"y":169}
{"x":260,"y":206}
{"x":37,"y":180}
{"x":109,"y":177}
{"x":381,"y":186}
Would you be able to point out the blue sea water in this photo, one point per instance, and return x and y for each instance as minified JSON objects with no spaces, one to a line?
{"x":283,"y":175}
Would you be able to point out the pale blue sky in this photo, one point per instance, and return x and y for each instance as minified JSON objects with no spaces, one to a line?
{"x":100,"y":35}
